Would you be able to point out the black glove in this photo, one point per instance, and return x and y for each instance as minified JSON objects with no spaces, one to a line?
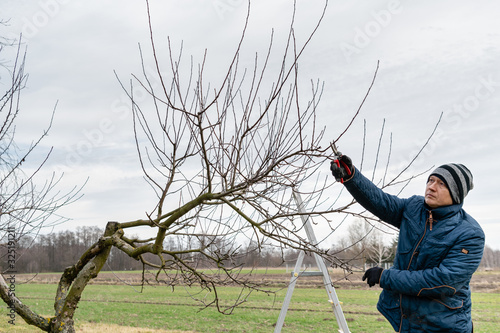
{"x":373,"y":275}
{"x":342,"y":168}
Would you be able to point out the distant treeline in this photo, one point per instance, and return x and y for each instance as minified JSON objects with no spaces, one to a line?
{"x":491,"y":258}
{"x":59,"y":250}
{"x":56,"y":251}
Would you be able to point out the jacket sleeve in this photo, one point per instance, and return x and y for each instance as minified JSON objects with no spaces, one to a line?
{"x":452,"y":274}
{"x":389,"y":208}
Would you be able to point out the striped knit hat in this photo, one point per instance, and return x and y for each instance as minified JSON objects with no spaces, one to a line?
{"x":457,"y":178}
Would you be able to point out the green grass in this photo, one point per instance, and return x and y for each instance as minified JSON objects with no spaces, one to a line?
{"x":160,"y":308}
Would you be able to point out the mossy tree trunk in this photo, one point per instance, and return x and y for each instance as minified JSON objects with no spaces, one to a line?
{"x":70,"y":288}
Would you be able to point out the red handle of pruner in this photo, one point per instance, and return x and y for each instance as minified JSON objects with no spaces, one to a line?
{"x":337,"y":162}
{"x":345,"y":167}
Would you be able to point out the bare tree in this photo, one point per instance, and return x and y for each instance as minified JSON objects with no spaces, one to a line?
{"x":357,"y":244}
{"x":491,"y":259}
{"x":365,"y":243}
{"x":378,"y":251}
{"x":223,"y":161}
{"x":26,"y":204}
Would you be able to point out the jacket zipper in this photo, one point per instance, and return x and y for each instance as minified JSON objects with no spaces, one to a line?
{"x":421,"y":238}
{"x":430,"y":220}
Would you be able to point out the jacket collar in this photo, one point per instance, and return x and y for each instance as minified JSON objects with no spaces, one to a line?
{"x":444,"y":212}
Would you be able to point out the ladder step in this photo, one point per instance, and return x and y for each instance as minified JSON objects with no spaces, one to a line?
{"x":311,"y":273}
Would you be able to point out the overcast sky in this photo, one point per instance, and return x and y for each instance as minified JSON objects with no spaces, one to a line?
{"x":435,"y":57}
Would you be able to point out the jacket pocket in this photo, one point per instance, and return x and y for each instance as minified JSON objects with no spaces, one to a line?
{"x":451,"y":303}
{"x":437,"y":315}
{"x":432,"y":253}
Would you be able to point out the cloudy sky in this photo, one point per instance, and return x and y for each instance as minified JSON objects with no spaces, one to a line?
{"x":435,"y":57}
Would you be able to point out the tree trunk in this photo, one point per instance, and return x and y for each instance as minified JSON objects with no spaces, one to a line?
{"x":71,"y":286}
{"x":67,"y":303}
{"x":62,"y":325}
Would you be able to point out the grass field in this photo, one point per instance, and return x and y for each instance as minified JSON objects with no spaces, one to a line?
{"x":111,"y":308}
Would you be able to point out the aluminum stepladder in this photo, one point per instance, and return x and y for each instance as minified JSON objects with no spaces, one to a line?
{"x":323,"y":270}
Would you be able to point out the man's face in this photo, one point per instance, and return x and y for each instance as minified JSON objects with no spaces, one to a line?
{"x":436,"y":193}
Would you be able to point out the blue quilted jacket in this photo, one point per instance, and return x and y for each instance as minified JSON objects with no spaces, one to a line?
{"x":427,"y":289}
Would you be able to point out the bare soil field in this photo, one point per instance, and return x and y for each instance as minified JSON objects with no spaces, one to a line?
{"x":482,"y":281}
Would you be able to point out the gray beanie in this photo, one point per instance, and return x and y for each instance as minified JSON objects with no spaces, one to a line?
{"x":457,"y":178}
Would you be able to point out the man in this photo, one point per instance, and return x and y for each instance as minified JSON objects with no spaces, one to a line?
{"x":440,"y":246}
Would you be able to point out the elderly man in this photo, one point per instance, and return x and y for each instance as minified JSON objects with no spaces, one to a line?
{"x":440,"y":246}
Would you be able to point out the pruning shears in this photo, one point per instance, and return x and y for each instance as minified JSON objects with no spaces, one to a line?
{"x":336,"y":152}
{"x":338,"y":160}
